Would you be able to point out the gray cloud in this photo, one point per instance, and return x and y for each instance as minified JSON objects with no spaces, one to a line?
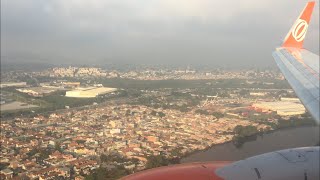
{"x":225,"y":33}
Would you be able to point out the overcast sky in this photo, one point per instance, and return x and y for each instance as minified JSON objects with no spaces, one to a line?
{"x":206,"y":32}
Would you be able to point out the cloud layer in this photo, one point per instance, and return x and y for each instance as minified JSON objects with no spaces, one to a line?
{"x":206,"y":32}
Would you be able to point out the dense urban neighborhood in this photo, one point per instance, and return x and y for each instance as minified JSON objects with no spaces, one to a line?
{"x":82,"y":123}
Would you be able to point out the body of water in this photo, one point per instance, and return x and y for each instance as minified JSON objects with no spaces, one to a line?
{"x":276,"y":140}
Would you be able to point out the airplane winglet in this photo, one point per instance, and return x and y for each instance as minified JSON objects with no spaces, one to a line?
{"x":297,"y":33}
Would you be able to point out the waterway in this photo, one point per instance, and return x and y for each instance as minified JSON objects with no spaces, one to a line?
{"x":276,"y":140}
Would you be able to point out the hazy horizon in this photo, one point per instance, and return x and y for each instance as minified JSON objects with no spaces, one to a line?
{"x":214,"y":33}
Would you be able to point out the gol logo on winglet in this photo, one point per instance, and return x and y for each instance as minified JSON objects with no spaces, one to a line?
{"x":299,"y":31}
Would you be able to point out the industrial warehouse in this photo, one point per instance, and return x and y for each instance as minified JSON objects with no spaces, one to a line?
{"x":89,"y":92}
{"x":283,"y":108}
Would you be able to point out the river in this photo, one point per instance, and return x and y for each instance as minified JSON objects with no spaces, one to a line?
{"x":276,"y":140}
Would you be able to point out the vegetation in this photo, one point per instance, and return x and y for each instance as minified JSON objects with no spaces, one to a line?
{"x":242,"y":134}
{"x":113,"y":157}
{"x":4,"y":165}
{"x":52,"y":102}
{"x":295,"y":122}
{"x":119,"y":171}
{"x":116,"y":172}
{"x":155,"y":113}
{"x":243,"y":131}
{"x":249,"y":133}
{"x":157,"y":161}
{"x":206,"y":87}
{"x":42,"y":153}
{"x":179,"y":83}
{"x":218,"y":115}
{"x":180,"y":101}
{"x":161,"y":160}
{"x":105,"y":174}
{"x":202,"y":112}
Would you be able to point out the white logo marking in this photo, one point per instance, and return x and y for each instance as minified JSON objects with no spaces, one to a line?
{"x":299,"y":31}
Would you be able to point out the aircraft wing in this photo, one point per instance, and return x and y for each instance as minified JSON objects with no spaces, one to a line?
{"x":299,"y":66}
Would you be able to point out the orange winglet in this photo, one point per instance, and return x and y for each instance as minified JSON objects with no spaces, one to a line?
{"x":297,"y":33}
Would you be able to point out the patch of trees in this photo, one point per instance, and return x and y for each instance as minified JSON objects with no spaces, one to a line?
{"x":295,"y":122}
{"x":4,"y":165}
{"x":160,"y":160}
{"x":202,"y":112}
{"x":155,"y":113}
{"x":28,"y":79}
{"x":243,"y":134}
{"x":180,"y":83}
{"x":16,"y":113}
{"x":216,"y":114}
{"x":244,"y":131}
{"x":105,"y":174}
{"x":182,"y":108}
{"x":117,"y":172}
{"x":148,"y":100}
{"x":180,"y":94}
{"x":60,"y":101}
{"x":112,"y":157}
{"x":80,"y":141}
{"x":244,"y":92}
{"x":42,"y":153}
{"x":151,"y":84}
